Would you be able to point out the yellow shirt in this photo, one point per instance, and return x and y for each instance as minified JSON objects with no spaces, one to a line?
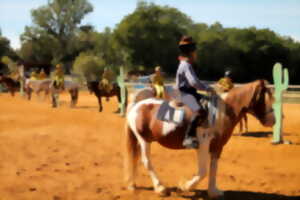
{"x":157,"y":79}
{"x":225,"y":84}
{"x":34,"y":77}
{"x":42,"y":76}
{"x":59,"y":75}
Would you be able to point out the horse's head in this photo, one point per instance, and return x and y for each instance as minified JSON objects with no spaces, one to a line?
{"x":254,"y":98}
{"x":261,"y":103}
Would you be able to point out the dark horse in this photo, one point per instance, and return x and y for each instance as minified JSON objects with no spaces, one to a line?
{"x":93,"y":87}
{"x":10,"y":84}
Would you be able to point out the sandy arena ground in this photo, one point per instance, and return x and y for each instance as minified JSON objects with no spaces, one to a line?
{"x":76,"y":154}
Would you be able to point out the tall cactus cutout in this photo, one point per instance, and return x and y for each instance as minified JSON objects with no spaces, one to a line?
{"x":281,"y":82}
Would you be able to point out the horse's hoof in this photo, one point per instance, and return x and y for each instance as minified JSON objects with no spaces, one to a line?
{"x":182,"y":187}
{"x":162,"y":191}
{"x":131,"y":187}
{"x":117,"y":111}
{"x":215,"y":194}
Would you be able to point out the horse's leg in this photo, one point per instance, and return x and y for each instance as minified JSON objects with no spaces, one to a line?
{"x":38,"y":95}
{"x":118,"y":91}
{"x":12,"y":92}
{"x":54,"y":98}
{"x":100,"y":103}
{"x":29,"y":93}
{"x":75,"y":96}
{"x":203,"y":160}
{"x":131,"y":158}
{"x":246,"y":123}
{"x":213,"y":191}
{"x":46,"y":95}
{"x":72,"y":98}
{"x":145,"y":155}
{"x":241,"y":128}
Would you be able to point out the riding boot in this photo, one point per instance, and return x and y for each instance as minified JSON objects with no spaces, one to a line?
{"x":190,"y":140}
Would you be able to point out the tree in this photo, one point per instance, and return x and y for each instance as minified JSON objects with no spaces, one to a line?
{"x":8,"y":56}
{"x":89,"y":66}
{"x":150,"y":35}
{"x":56,"y":23}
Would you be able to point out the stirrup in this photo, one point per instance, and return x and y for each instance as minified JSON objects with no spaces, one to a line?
{"x":190,"y":143}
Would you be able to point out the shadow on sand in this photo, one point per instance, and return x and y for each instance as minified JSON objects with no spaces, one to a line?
{"x":228,"y":195}
{"x":242,"y":195}
{"x":256,"y":134}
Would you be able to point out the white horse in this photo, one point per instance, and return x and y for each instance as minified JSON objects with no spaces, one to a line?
{"x":71,"y":87}
{"x":37,"y":86}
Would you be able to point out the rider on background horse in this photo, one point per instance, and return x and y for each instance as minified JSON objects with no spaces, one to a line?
{"x":42,"y":75}
{"x":225,"y":83}
{"x":108,"y":78}
{"x":33,"y":76}
{"x":188,"y":83}
{"x":157,"y":81}
{"x":58,"y":77}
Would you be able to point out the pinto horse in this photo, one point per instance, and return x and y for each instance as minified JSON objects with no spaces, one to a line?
{"x":142,"y":128}
{"x":10,"y":84}
{"x":93,"y":87}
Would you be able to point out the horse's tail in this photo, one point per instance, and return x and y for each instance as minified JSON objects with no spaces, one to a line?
{"x":132,"y":154}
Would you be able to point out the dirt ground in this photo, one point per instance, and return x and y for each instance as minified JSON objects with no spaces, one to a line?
{"x":76,"y":154}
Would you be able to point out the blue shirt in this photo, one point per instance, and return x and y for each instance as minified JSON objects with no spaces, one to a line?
{"x":187,"y":79}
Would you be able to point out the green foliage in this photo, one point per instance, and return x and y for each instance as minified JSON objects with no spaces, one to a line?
{"x":89,"y":66}
{"x":12,"y":65}
{"x":250,"y":53}
{"x":150,"y":35}
{"x":53,"y":35}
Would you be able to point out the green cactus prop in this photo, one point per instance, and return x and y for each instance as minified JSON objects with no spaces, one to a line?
{"x":281,"y":82}
{"x":121,"y":83}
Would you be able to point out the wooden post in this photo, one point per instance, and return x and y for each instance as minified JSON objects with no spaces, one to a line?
{"x":122,"y":86}
{"x":281,"y":82}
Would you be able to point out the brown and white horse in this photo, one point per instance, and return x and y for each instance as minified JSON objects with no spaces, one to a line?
{"x":142,"y":128}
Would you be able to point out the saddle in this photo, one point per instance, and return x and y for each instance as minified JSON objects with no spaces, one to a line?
{"x":171,"y":111}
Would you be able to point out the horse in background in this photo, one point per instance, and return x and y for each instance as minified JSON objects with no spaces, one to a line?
{"x":142,"y":128}
{"x":243,"y":125}
{"x":93,"y":87}
{"x":11,"y":85}
{"x":69,"y":86}
{"x":37,"y":86}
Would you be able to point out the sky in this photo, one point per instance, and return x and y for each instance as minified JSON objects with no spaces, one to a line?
{"x":281,"y":16}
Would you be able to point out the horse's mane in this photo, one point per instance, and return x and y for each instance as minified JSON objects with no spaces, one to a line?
{"x":242,"y":97}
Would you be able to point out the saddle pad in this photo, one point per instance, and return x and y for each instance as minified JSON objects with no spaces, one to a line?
{"x":170,"y":114}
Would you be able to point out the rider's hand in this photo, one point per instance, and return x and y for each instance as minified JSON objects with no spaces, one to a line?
{"x":211,"y":90}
